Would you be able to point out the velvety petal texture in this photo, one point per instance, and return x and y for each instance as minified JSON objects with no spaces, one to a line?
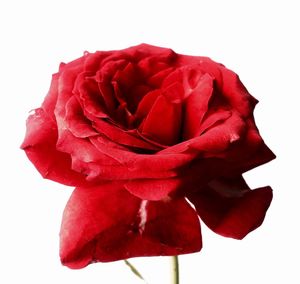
{"x":138,"y":132}
{"x":106,"y":223}
{"x":40,"y":147}
{"x":230,"y":208}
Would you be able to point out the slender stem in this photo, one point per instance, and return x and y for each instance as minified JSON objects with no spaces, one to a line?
{"x":174,"y":270}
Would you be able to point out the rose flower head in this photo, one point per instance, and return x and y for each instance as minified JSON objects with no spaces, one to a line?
{"x":152,"y":140}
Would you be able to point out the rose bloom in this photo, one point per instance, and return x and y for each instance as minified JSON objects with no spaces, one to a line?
{"x":152,"y":140}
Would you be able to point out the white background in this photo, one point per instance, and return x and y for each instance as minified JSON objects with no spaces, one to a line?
{"x":257,"y":39}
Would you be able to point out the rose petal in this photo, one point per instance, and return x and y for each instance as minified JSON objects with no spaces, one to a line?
{"x":93,"y":61}
{"x":106,"y":223}
{"x":158,"y":162}
{"x":230,"y":208}
{"x":87,"y":159}
{"x":93,"y":103}
{"x":127,"y":77}
{"x":205,"y":64}
{"x":183,"y":181}
{"x":157,"y":79}
{"x":153,"y":64}
{"x":146,"y":104}
{"x":211,"y":120}
{"x":196,"y":106}
{"x":167,"y":131}
{"x":122,"y":115}
{"x":76,"y":122}
{"x":124,"y":137}
{"x":101,"y":159}
{"x":262,"y":155}
{"x":236,"y":93}
{"x":137,"y":92}
{"x":153,"y":189}
{"x":214,"y":142}
{"x":68,"y":75}
{"x":174,"y":93}
{"x":247,"y":152}
{"x":218,"y":139}
{"x":40,"y":147}
{"x":140,"y":165}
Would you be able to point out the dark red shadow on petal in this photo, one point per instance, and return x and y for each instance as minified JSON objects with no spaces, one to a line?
{"x":230,"y":208}
{"x":106,"y":223}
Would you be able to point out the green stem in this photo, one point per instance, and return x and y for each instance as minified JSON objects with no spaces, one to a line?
{"x":174,"y":270}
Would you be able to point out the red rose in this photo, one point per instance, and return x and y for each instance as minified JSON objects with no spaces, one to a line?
{"x":139,"y":132}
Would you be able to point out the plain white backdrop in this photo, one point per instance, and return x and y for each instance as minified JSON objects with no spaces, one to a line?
{"x":257,"y":39}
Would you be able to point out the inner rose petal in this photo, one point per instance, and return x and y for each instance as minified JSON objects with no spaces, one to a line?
{"x":131,"y":138}
{"x":152,"y":65}
{"x":163,"y":122}
{"x":146,"y":104}
{"x":196,"y":106}
{"x":87,"y":92}
{"x":77,"y":123}
{"x":128,"y":76}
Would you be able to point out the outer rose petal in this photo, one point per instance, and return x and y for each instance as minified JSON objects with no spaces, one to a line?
{"x":141,"y":162}
{"x":40,"y":147}
{"x":66,"y":80}
{"x":106,"y":223}
{"x":230,"y":208}
{"x":153,"y":189}
{"x":236,"y":93}
{"x":215,"y":141}
{"x":188,"y":179}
